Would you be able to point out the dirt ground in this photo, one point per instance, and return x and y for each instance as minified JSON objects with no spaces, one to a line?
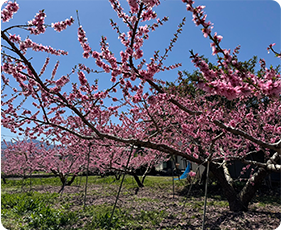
{"x":184,"y":213}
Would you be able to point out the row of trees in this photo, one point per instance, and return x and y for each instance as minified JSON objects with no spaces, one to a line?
{"x":227,"y":112}
{"x":23,"y":158}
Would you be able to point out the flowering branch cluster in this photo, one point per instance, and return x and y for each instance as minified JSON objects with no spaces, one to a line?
{"x":8,"y":11}
{"x":38,"y":22}
{"x":60,"y":26}
{"x":230,"y":80}
{"x":27,"y":43}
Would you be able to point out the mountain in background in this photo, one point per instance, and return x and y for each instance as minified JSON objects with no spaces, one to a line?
{"x":4,"y":146}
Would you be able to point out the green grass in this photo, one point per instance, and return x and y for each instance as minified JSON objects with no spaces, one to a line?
{"x":19,"y":182}
{"x":39,"y":211}
{"x":122,"y":218}
{"x":34,"y":211}
{"x":220,"y":203}
{"x":150,"y":181}
{"x":264,"y":200}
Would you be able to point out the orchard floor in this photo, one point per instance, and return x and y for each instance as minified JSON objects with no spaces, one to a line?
{"x":155,"y":206}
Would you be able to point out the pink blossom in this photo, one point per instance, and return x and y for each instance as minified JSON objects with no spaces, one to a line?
{"x":138,"y":54}
{"x":136,"y":98}
{"x":133,"y":6}
{"x":95,"y":54}
{"x":62,"y":81}
{"x":59,"y":26}
{"x":192,"y":174}
{"x":151,"y":100}
{"x":148,"y":15}
{"x":38,"y":22}
{"x":99,"y":63}
{"x":106,"y":68}
{"x":270,"y":46}
{"x":82,"y":78}
{"x":8,"y":11}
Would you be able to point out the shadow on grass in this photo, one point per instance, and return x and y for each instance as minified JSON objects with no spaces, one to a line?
{"x":264,"y":195}
{"x":241,"y":219}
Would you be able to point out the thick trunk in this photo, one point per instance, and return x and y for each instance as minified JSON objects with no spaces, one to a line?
{"x":145,"y":173}
{"x":252,"y":185}
{"x":235,"y":203}
{"x":117,"y":176}
{"x":238,"y":202}
{"x":63,"y":180}
{"x":143,"y":178}
{"x":71,"y":180}
{"x":4,"y":180}
{"x":140,"y":184}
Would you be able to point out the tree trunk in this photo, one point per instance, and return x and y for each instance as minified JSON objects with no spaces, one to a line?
{"x":71,"y":180}
{"x":63,"y":180}
{"x":252,"y":185}
{"x":4,"y":180}
{"x":235,"y":203}
{"x":239,"y":202}
{"x":117,"y":176}
{"x":145,"y":173}
{"x":137,"y":179}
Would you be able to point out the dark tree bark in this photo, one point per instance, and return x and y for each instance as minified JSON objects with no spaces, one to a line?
{"x":4,"y":179}
{"x":63,"y":179}
{"x":71,"y":180}
{"x":239,"y":201}
{"x":251,"y":187}
{"x":117,"y":176}
{"x":137,"y":179}
{"x":235,"y":203}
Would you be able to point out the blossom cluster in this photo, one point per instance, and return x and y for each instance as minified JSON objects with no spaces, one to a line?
{"x":44,"y":66}
{"x":28,"y":43}
{"x":59,"y":26}
{"x":199,"y":18}
{"x":62,"y":81}
{"x":119,"y":10}
{"x":148,"y":15}
{"x":38,"y":22}
{"x":9,"y":10}
{"x":134,"y":6}
{"x":83,"y":41}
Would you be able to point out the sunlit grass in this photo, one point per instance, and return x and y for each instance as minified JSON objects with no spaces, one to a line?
{"x":34,"y":210}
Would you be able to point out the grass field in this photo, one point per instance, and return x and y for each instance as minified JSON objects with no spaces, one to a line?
{"x":35,"y":204}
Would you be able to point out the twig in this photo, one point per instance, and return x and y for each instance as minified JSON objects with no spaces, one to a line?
{"x":78,"y":18}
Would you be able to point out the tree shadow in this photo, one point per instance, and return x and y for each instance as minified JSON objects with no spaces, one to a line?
{"x":233,"y":216}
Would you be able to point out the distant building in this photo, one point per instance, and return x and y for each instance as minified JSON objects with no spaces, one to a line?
{"x":181,"y":164}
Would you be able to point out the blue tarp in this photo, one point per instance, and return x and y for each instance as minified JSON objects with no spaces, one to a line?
{"x":184,"y":175}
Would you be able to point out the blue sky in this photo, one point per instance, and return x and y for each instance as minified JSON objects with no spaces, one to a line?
{"x":252,"y":24}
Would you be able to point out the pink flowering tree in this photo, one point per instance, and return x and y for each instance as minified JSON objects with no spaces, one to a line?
{"x":24,"y":157}
{"x":195,"y":126}
{"x":21,"y":158}
{"x":2,"y":165}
